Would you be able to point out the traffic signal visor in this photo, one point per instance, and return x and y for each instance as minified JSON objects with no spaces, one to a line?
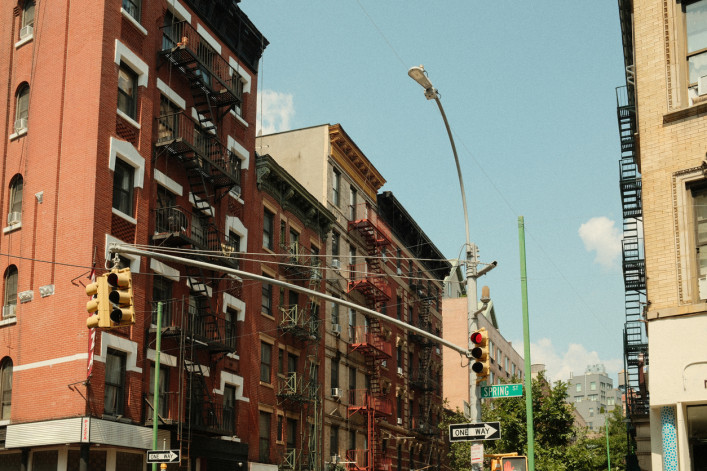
{"x":480,"y":354}
{"x":120,"y":297}
{"x":98,"y":305}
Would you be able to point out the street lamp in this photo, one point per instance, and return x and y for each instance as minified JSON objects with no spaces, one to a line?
{"x":419,"y":75}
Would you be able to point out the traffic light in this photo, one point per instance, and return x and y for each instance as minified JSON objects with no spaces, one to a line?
{"x":480,"y":353}
{"x":120,"y":295}
{"x":98,"y":304}
{"x":514,"y":463}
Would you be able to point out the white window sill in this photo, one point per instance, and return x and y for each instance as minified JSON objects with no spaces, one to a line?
{"x":8,"y":321}
{"x":130,"y":219}
{"x":24,"y":41}
{"x":233,"y":356}
{"x":239,"y":118}
{"x":18,"y":133}
{"x":135,"y":23}
{"x":12,"y":228}
{"x":128,"y":119}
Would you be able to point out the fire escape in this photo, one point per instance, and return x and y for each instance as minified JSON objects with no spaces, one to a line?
{"x":368,"y":339}
{"x":421,"y":375}
{"x":203,"y":334}
{"x":300,"y":392}
{"x":635,"y":337}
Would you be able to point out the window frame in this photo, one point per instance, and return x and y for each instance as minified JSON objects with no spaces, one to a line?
{"x":6,"y":368}
{"x":265,"y":363}
{"x":163,"y":406}
{"x":130,"y":97}
{"x":119,"y":189}
{"x":268,"y":229}
{"x":10,"y":284}
{"x":119,"y":386}
{"x":336,"y":188}
{"x":21,"y":108}
{"x":266,"y":299}
{"x":264,"y":432}
{"x":16,"y":195}
{"x":137,"y":5}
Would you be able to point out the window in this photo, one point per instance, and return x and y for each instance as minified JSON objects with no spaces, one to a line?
{"x":292,"y":360}
{"x":264,"y":437}
{"x":27,"y":15}
{"x":265,"y":362}
{"x":578,"y":387}
{"x":593,"y":386}
{"x":22,"y":108}
{"x":335,"y":240}
{"x":15,"y":215}
{"x":163,"y":404}
{"x":167,"y":122}
{"x":334,"y":440}
{"x":5,"y":388}
{"x":229,"y":408}
{"x":334,"y":313}
{"x":352,"y":209}
{"x":699,"y":202}
{"x":291,"y":433}
{"x":123,"y":186}
{"x":132,"y":7}
{"x":114,"y":398}
{"x":352,"y":325}
{"x":10,"y":303}
{"x":268,"y":229}
{"x":591,"y":412}
{"x":352,"y":439}
{"x":695,"y":14}
{"x":334,"y":373}
{"x":267,"y":299}
{"x":399,"y":307}
{"x":230,"y":329}
{"x":352,"y":262}
{"x":352,"y":378}
{"x":578,"y":399}
{"x":336,"y":188}
{"x":162,"y":291}
{"x":127,"y":91}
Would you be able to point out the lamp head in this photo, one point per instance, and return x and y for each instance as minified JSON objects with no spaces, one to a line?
{"x":419,"y":75}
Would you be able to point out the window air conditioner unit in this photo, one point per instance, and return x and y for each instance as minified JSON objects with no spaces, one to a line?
{"x":26,"y":31}
{"x":399,"y":271}
{"x":13,"y":218}
{"x":400,"y":421}
{"x":702,"y":85}
{"x":336,"y":264}
{"x":336,"y":329}
{"x":400,"y":370}
{"x":9,"y":311}
{"x":335,"y":459}
{"x":337,"y":393}
{"x":20,"y":124}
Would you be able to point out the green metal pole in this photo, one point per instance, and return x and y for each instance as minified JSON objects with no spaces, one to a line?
{"x":608,"y":452}
{"x":156,"y":395}
{"x":526,"y":345}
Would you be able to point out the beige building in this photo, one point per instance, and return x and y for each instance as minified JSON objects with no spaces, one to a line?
{"x":663,"y":122}
{"x":506,"y":363}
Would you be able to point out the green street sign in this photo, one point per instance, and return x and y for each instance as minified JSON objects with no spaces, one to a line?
{"x":501,"y":390}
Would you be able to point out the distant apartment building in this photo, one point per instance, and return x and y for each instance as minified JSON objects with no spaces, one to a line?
{"x":505,"y":362}
{"x":382,"y":397}
{"x":593,"y":396}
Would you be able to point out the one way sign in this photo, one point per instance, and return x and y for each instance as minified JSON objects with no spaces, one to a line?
{"x":469,"y":432}
{"x":163,"y":456}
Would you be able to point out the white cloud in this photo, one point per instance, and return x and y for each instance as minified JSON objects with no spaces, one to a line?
{"x":602,"y":237}
{"x":559,"y":365}
{"x":275,"y":110}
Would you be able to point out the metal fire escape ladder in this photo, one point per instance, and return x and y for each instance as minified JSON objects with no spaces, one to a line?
{"x":633,"y":259}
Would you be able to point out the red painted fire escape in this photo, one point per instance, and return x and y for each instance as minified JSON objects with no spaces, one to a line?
{"x":368,"y":339}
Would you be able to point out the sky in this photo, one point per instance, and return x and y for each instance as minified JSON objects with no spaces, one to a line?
{"x":529,"y":92}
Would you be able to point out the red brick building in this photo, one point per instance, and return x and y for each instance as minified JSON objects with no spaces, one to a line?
{"x":128,"y":122}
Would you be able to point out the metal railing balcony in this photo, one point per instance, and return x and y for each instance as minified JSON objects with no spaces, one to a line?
{"x":201,"y":415}
{"x":184,"y":137}
{"x":299,"y":321}
{"x":361,"y":338}
{"x":363,"y":399}
{"x":185,"y":48}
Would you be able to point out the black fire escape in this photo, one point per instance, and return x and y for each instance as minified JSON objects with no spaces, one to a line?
{"x":635,"y":336}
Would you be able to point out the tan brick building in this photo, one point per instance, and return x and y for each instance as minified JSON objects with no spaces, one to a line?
{"x":663,"y":123}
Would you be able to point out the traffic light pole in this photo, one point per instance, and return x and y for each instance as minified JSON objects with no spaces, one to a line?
{"x":156,"y":395}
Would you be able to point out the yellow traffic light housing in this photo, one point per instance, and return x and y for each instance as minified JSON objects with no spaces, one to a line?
{"x":480,"y":354}
{"x":120,"y":296}
{"x":98,"y":304}
{"x":514,"y":463}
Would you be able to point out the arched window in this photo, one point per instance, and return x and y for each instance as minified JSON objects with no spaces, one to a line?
{"x":10,"y":301}
{"x":5,"y":388}
{"x":22,"y":108}
{"x":15,"y":207}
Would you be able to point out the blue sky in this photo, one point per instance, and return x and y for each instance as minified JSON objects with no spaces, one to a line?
{"x":529,"y":91}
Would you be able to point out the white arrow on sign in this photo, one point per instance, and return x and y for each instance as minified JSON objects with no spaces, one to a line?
{"x":166,"y":456}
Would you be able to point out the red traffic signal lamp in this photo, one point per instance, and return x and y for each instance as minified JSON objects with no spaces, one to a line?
{"x":480,"y":354}
{"x":98,"y":304}
{"x":120,"y":296}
